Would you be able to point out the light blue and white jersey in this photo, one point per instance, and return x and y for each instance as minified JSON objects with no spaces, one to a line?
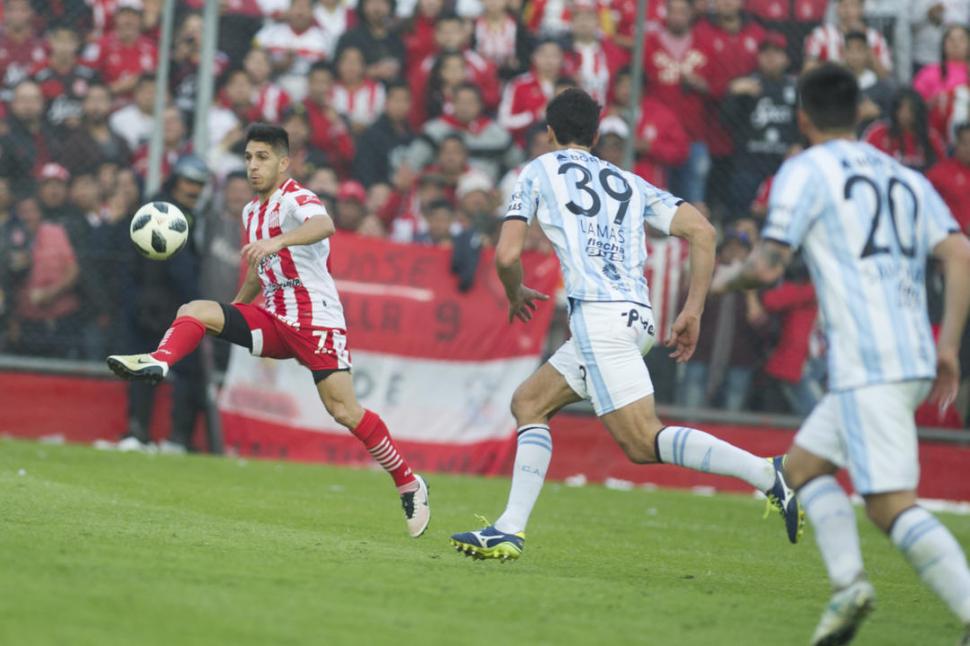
{"x":866,"y":225}
{"x":594,"y":214}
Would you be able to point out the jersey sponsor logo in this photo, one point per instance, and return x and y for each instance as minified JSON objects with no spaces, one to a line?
{"x":272,"y":288}
{"x":303,"y":200}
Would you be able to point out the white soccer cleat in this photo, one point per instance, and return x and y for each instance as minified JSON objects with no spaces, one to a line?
{"x":845,"y":612}
{"x":132,"y":444}
{"x":138,"y":367}
{"x":167,"y":447}
{"x":417,"y":512}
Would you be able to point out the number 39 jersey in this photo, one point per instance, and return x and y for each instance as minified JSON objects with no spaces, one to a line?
{"x":866,"y":225}
{"x":593,"y":214}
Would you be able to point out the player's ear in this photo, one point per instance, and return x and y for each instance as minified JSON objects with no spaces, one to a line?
{"x":552,"y":136}
{"x":284,"y":163}
{"x":805,"y":125}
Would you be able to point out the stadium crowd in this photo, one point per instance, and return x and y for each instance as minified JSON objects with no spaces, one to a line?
{"x":411,"y":119}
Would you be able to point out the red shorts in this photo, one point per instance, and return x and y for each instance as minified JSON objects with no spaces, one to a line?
{"x":266,"y":335}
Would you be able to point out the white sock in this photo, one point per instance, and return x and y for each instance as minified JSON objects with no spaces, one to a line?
{"x":936,"y":556}
{"x":828,"y":508}
{"x":700,"y":451}
{"x":531,"y":463}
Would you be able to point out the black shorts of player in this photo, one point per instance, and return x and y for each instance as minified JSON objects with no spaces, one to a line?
{"x":235,"y":330}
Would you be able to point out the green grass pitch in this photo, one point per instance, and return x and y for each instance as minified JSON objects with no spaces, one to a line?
{"x":100,"y":548}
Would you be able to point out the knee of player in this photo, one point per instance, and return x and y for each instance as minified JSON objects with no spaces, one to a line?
{"x":207,"y":312}
{"x":522,"y":407}
{"x":344,"y":414}
{"x":639,"y":450}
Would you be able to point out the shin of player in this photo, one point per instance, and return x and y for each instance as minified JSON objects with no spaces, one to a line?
{"x":595,"y":215}
{"x":288,"y":231}
{"x":834,"y":201}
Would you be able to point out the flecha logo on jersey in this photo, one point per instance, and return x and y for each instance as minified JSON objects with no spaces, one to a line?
{"x":303,"y":200}
{"x":265,"y":261}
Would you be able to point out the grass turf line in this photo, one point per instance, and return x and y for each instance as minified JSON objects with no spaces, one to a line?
{"x":101,"y":548}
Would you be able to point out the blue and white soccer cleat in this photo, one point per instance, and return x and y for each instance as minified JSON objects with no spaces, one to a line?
{"x":489,"y":543}
{"x":782,"y":498}
{"x":845,"y":612}
{"x":138,"y":367}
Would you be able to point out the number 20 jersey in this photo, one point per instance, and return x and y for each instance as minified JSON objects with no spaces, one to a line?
{"x":593,"y":214}
{"x":866,"y":225}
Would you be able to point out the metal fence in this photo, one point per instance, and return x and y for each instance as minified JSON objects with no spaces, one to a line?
{"x":410,"y":120}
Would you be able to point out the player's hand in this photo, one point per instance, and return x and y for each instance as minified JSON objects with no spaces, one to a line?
{"x":524,"y":303}
{"x":947,"y":381}
{"x":683,"y":336}
{"x":254,"y":252}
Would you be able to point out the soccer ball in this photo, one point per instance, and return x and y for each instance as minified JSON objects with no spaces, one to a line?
{"x":159,"y":230}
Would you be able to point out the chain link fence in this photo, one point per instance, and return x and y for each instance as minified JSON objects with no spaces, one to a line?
{"x":411,"y":119}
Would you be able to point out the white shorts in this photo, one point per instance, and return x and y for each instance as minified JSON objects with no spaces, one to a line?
{"x":872,"y":431}
{"x":603,"y":361}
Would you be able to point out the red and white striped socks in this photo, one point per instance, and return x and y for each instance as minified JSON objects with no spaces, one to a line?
{"x":373,"y":433}
{"x":183,"y":336}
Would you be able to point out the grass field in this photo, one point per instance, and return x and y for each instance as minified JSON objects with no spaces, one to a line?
{"x":101,"y":548}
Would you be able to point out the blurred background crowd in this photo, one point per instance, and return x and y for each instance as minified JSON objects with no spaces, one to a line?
{"x":411,"y":119}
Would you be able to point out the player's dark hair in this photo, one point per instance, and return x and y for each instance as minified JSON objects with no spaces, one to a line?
{"x":829,"y":95}
{"x":448,"y":16}
{"x":266,"y":133}
{"x":396,"y":84}
{"x":321,"y":66}
{"x":857,"y":35}
{"x":434,"y":205}
{"x":574,"y":117}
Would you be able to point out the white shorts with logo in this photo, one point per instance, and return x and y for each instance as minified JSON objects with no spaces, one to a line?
{"x":871,"y":430}
{"x":603,"y":361}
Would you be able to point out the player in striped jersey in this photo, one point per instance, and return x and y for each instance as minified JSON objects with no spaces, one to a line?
{"x":595,"y":216}
{"x":866,"y":226}
{"x":288,"y":231}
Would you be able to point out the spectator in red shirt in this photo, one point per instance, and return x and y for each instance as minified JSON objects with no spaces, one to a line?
{"x":730,"y":41}
{"x":124,"y":54}
{"x":675,"y":66}
{"x":21,"y":51}
{"x":906,"y":135}
{"x":451,"y":34}
{"x":800,"y":374}
{"x":419,"y":36}
{"x":525,"y":97}
{"x":47,"y":302}
{"x":594,"y":58}
{"x":62,"y":80}
{"x":951,"y":177}
{"x":328,"y":131}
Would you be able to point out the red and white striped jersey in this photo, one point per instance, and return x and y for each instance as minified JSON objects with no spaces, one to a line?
{"x":297,"y":284}
{"x":666,"y":270}
{"x":310,"y":46}
{"x":826,"y":43}
{"x":496,"y":45}
{"x":363,"y":104}
{"x":270,"y":101}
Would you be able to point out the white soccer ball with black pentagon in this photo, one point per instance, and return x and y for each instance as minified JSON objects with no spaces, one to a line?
{"x":159,"y":230}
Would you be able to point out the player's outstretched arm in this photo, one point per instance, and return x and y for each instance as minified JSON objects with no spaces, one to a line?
{"x":764,"y":266}
{"x":314,"y":229}
{"x":688,"y":223}
{"x":508,"y":264}
{"x":249,"y":289}
{"x":954,"y":253}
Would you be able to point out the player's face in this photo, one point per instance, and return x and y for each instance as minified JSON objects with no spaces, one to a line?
{"x":264,"y":166}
